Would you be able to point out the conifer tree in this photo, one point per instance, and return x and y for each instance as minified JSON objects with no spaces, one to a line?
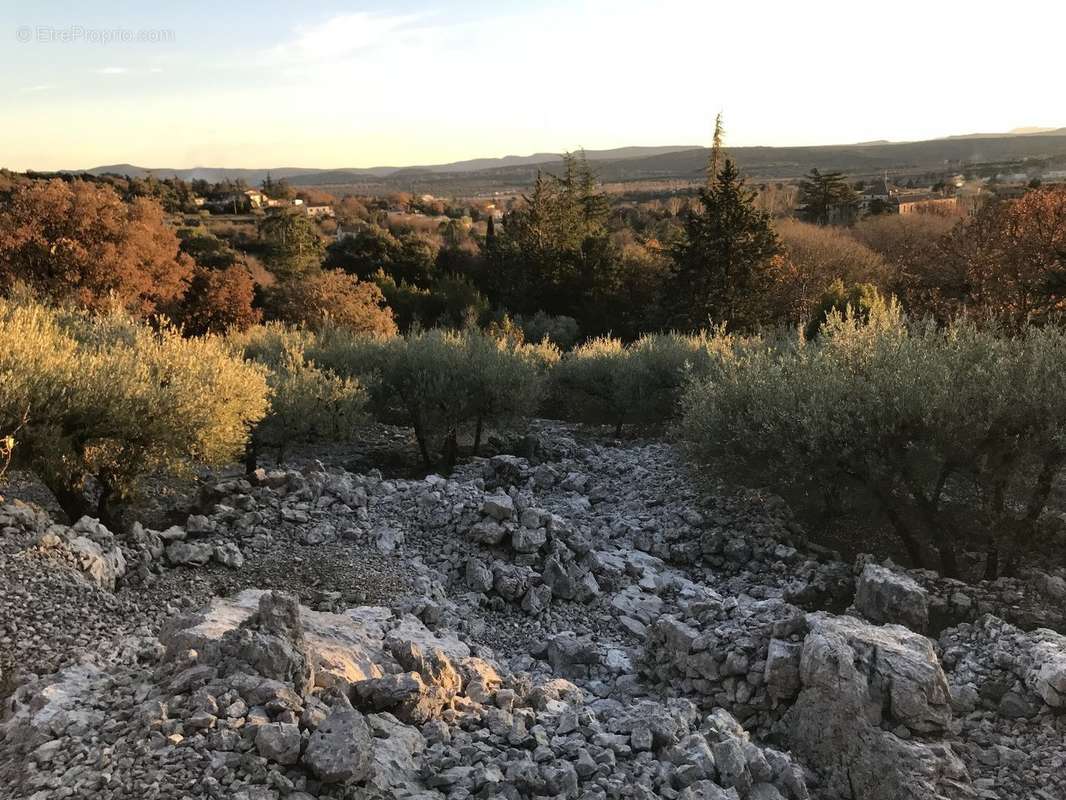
{"x":716,"y":149}
{"x":720,"y":264}
{"x":826,"y":197}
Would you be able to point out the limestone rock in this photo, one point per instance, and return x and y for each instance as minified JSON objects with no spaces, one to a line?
{"x":882,"y":595}
{"x":1047,"y":675}
{"x":478,"y":576}
{"x":341,"y":750}
{"x":499,"y":507}
{"x":899,"y":669}
{"x":92,"y":547}
{"x":857,"y":677}
{"x":229,"y":555}
{"x":279,"y":742}
{"x":184,"y":553}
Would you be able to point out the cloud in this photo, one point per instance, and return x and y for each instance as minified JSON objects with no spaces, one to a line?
{"x":111,"y":71}
{"x":41,"y":87}
{"x":340,"y":37}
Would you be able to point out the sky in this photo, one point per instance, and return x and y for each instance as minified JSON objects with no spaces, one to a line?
{"x":319,"y":83}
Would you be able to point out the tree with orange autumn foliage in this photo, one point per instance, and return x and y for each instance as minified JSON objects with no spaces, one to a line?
{"x":218,"y":301}
{"x":331,"y":297}
{"x":1009,"y":260}
{"x":78,"y":241}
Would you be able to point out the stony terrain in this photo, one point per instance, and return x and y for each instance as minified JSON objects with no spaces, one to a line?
{"x":577,"y":622}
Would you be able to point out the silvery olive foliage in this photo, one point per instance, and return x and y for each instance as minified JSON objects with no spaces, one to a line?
{"x":443,"y":384}
{"x":100,"y":401}
{"x":926,"y":422}
{"x":605,"y":382}
{"x":308,"y":404}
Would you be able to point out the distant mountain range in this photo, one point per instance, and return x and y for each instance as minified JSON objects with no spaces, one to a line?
{"x":311,"y":175}
{"x":678,"y":162}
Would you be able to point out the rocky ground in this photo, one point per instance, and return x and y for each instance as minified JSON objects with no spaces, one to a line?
{"x":575,"y":622}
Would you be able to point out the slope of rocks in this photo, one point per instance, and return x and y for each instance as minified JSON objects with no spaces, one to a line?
{"x":581,"y":623}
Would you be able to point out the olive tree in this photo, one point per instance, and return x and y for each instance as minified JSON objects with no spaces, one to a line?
{"x":103,"y":401}
{"x":956,"y":433}
{"x":308,"y":404}
{"x":586,"y":384}
{"x":607,"y":383}
{"x":441,"y":383}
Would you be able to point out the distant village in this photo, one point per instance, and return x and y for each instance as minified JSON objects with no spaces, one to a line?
{"x":253,"y":199}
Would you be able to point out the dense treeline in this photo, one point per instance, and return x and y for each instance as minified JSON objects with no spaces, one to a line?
{"x":567,"y":260}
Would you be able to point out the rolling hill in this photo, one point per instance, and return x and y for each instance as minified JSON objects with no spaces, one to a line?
{"x":679,"y":162}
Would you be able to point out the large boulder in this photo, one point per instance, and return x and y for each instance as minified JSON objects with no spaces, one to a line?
{"x":279,"y":741}
{"x":882,"y":595}
{"x":343,"y":648}
{"x":428,"y":684}
{"x":272,"y":642}
{"x":92,"y":547}
{"x":397,"y":748}
{"x":858,"y":679}
{"x":341,"y":750}
{"x":1047,"y":675}
{"x":903,"y":681}
{"x":499,"y":507}
{"x":193,"y":554}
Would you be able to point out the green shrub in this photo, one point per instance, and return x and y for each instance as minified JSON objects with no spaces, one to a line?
{"x":605,"y":383}
{"x":862,"y":299}
{"x":307,"y":405}
{"x":504,"y":379}
{"x":268,"y":344}
{"x":442,"y":383}
{"x":587,"y":383}
{"x":955,"y":433}
{"x":659,"y":367}
{"x":108,"y":400}
{"x":562,"y":331}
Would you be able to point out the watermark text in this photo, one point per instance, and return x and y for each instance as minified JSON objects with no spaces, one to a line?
{"x":79,"y":34}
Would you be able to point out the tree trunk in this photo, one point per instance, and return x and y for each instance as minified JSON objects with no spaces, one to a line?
{"x":251,"y":457}
{"x":451,"y":451}
{"x":914,"y":549}
{"x":477,"y":435}
{"x":71,"y":498}
{"x":942,"y":538}
{"x":110,"y":511}
{"x":936,"y":528}
{"x":423,"y":448}
{"x":1023,"y":531}
{"x":112,"y":503}
{"x":992,"y":563}
{"x":999,"y":502}
{"x":906,"y":536}
{"x":618,"y":430}
{"x":949,"y":564}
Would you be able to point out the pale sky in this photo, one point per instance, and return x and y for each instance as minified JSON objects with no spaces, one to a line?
{"x":358,"y":84}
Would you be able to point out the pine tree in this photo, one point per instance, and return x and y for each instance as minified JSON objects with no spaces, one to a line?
{"x":826,"y":197}
{"x":721,"y":262}
{"x":594,"y":205}
{"x":554,"y":253}
{"x":716,"y":150}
